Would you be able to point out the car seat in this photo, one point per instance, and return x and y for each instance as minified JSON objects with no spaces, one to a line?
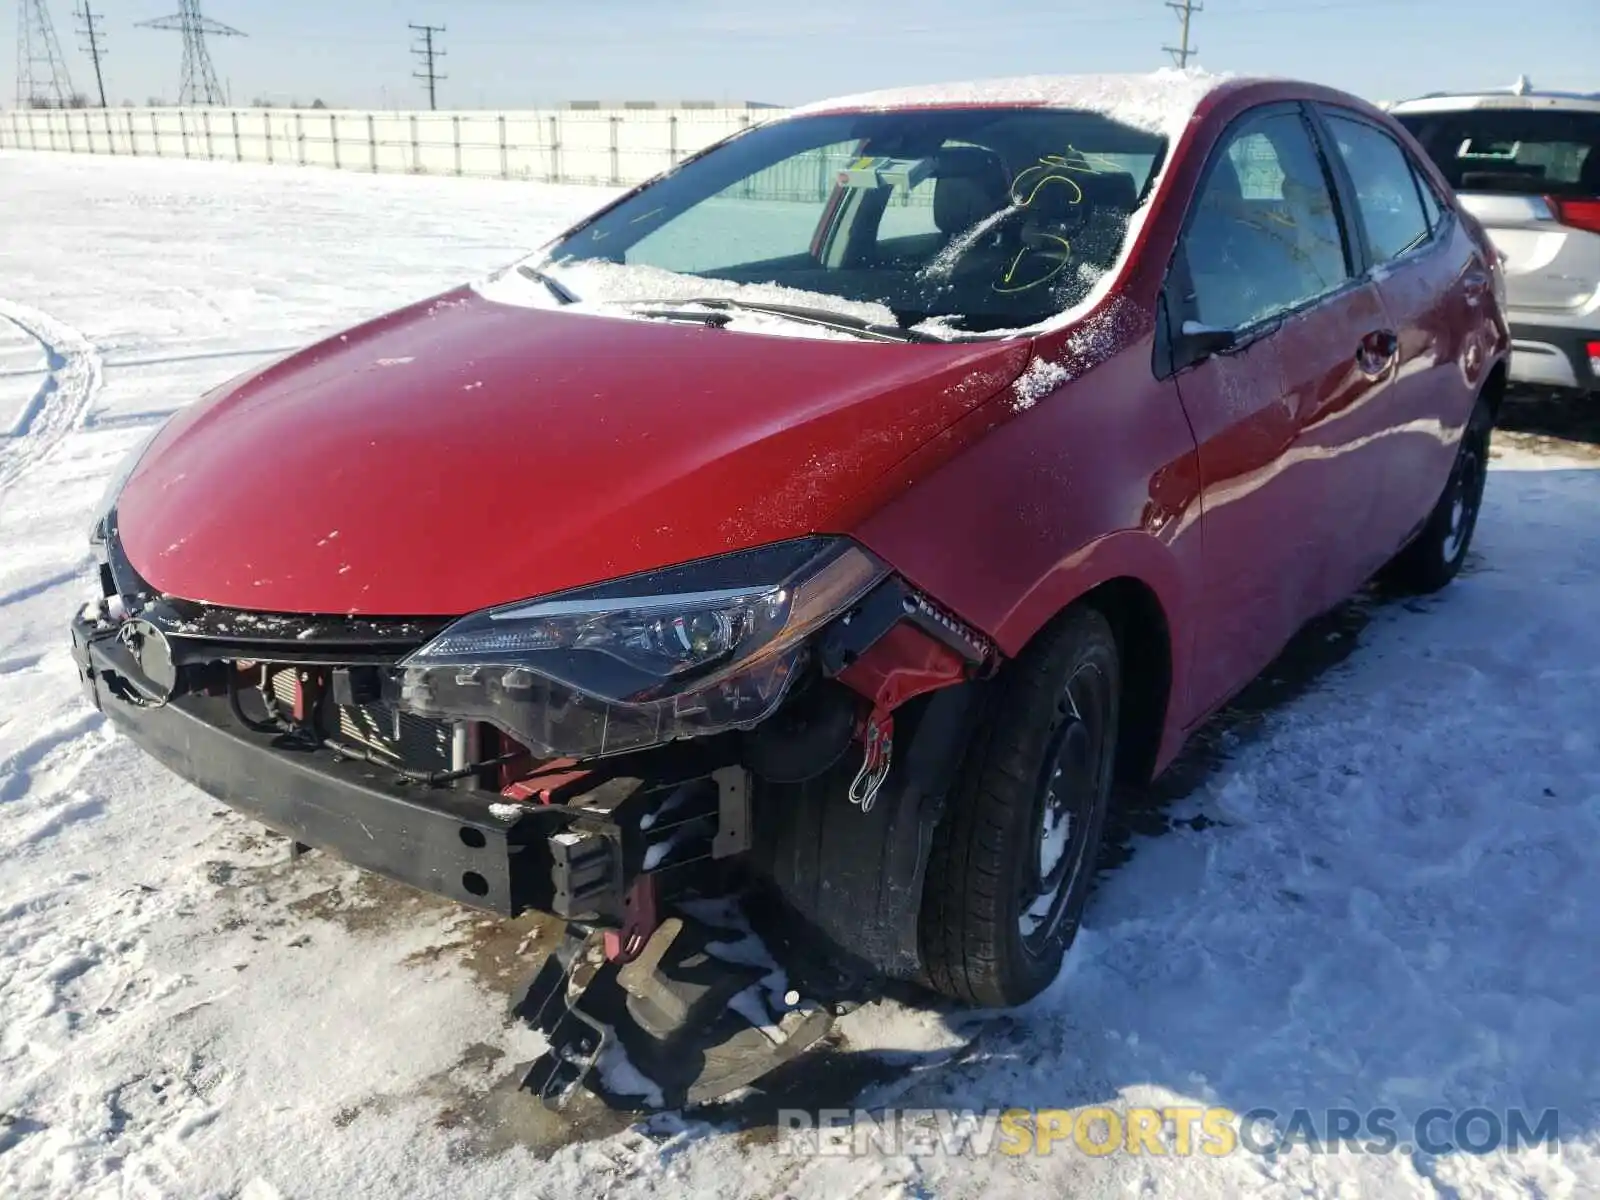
{"x":969,"y":187}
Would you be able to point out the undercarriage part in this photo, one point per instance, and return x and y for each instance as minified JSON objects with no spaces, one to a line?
{"x":702,"y":1011}
{"x":877,"y":756}
{"x":808,"y":735}
{"x":677,"y":813}
{"x":625,"y":828}
{"x":903,"y":664}
{"x":855,"y":876}
{"x":892,"y":603}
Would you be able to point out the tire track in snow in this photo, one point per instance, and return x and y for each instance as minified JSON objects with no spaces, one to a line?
{"x":62,"y":401}
{"x":64,"y":745}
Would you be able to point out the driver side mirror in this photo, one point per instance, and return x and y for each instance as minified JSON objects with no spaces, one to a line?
{"x":1198,"y":341}
{"x":1182,"y":344}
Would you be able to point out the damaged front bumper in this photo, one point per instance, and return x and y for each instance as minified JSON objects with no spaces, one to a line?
{"x":572,"y":858}
{"x":616,"y":846}
{"x":328,"y":756}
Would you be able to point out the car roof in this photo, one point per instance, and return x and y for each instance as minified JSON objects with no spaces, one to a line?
{"x":1161,"y":101}
{"x":1513,"y":99}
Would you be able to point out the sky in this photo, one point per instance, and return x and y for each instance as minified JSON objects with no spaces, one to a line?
{"x":510,"y":54}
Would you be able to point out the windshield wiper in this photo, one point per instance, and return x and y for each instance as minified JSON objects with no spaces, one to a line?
{"x":717,"y":320}
{"x":817,"y":316}
{"x":557,"y":290}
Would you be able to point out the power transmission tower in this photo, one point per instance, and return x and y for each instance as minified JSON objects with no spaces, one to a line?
{"x":42,"y":79}
{"x":426,"y":54}
{"x":89,"y":28}
{"x":199,"y":76}
{"x":1183,"y":52}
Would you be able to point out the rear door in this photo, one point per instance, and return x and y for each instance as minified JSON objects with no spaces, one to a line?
{"x":1265,"y":264}
{"x":1530,"y":172}
{"x":1435,"y":287}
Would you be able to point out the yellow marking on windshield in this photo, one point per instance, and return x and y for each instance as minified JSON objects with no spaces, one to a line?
{"x":1027,"y":251}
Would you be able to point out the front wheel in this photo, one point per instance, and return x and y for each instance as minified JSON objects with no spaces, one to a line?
{"x":1013,"y":859}
{"x":1434,"y":556}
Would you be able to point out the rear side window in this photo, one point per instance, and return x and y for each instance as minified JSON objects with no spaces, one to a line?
{"x":1386,"y":189}
{"x":1263,"y":237}
{"x":1513,"y":151}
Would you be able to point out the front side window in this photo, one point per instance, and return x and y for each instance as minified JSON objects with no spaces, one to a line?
{"x":971,"y":219}
{"x":1386,"y":190}
{"x":1263,"y":237}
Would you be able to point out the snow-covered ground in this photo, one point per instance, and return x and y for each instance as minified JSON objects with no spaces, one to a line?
{"x":1390,"y":900}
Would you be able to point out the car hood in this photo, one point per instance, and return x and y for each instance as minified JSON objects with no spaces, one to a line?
{"x":462,"y":453}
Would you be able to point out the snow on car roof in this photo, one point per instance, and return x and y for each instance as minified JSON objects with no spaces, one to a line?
{"x":1159,"y":101}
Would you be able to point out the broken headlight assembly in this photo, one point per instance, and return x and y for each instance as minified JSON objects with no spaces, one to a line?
{"x":682,"y":652}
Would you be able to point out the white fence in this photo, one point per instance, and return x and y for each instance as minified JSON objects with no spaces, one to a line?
{"x":600,"y":146}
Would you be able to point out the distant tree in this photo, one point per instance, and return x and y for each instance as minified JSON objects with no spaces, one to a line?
{"x":318,"y":104}
{"x":155,"y":102}
{"x":261,"y":102}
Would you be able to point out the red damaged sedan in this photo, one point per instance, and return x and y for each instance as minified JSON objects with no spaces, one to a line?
{"x":807,"y":542}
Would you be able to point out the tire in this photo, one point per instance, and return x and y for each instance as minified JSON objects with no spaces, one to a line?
{"x":1434,"y":557}
{"x":1046,"y":747}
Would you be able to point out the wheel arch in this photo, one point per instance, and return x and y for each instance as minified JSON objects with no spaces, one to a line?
{"x":1135,"y":581}
{"x":1144,"y":652}
{"x":1494,"y":386}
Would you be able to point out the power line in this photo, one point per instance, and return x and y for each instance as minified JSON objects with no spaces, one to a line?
{"x":199,"y":84}
{"x":42,"y":78}
{"x":89,"y":28}
{"x":1183,"y":52}
{"x":427,"y":54}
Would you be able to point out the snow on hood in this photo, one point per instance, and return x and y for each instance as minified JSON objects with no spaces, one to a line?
{"x":1158,"y":101}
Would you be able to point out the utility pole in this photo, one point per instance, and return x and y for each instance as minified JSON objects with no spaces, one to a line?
{"x":42,"y":79}
{"x":199,"y":85}
{"x":89,"y":27}
{"x":1182,"y":53}
{"x":426,"y":54}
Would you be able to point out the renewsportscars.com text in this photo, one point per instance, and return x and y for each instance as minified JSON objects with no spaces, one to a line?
{"x":1171,"y":1131}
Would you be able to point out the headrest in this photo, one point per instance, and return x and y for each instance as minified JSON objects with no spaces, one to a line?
{"x":1110,"y":189}
{"x":1050,"y":194}
{"x":1057,"y":194}
{"x":1589,"y":177}
{"x":969,"y":185}
{"x":1223,"y":186}
{"x":1313,"y":197}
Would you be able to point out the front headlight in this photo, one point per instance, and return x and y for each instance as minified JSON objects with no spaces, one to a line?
{"x":683,"y":652}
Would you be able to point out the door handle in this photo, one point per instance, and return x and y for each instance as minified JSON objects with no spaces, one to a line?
{"x":1378,"y":352}
{"x":1475,"y":284}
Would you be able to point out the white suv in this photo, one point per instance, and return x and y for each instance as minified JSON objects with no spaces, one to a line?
{"x":1527,"y":165}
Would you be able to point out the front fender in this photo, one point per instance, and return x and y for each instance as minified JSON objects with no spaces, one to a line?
{"x":1095,"y":482}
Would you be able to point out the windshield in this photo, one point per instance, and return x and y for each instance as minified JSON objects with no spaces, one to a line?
{"x":1513,"y":151}
{"x":971,"y":219}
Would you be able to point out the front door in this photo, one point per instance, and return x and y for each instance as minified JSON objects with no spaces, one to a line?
{"x":1279,"y":345}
